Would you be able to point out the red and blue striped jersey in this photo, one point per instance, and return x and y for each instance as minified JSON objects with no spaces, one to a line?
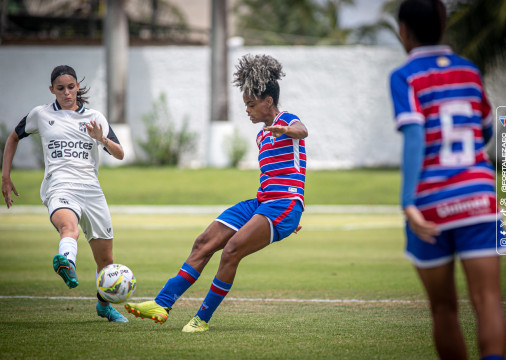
{"x":282,"y":163}
{"x":443,"y":92}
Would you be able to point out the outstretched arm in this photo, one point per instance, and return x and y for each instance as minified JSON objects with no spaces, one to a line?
{"x":297,"y":131}
{"x":96,"y":132}
{"x":7,"y":186}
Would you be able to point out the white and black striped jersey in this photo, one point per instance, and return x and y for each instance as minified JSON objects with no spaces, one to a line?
{"x":70,"y":154}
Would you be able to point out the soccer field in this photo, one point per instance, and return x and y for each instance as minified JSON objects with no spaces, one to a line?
{"x":340,"y":289}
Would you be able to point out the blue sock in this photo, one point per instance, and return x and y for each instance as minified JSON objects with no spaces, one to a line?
{"x":219,"y":289}
{"x":176,"y":286}
{"x":493,"y":357}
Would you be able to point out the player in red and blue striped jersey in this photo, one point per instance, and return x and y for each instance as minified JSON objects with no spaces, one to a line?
{"x":250,"y":225}
{"x":448,"y":191}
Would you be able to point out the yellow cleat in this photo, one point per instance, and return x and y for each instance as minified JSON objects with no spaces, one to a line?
{"x":196,"y":325}
{"x":149,"y":310}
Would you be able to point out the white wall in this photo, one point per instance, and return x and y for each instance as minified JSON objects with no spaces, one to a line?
{"x":340,"y":93}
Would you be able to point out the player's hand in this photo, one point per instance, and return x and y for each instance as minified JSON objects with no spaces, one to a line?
{"x":95,"y":130}
{"x":425,"y":230}
{"x":298,"y":229}
{"x":7,"y":188}
{"x":277,"y":130}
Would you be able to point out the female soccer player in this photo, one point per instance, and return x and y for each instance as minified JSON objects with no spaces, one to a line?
{"x":253,"y":224}
{"x":71,"y":137}
{"x":448,"y":191}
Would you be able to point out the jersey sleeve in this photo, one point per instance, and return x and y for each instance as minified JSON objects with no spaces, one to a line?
{"x":407,"y":108}
{"x":29,"y":124}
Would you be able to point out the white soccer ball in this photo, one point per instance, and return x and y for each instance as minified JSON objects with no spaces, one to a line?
{"x":116,"y":283}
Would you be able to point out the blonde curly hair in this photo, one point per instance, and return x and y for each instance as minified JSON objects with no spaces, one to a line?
{"x":258,"y":76}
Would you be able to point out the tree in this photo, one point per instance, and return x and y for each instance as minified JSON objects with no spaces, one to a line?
{"x":297,"y":22}
{"x":476,"y":29}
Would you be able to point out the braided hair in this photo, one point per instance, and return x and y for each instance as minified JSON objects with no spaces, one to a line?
{"x":258,"y":76}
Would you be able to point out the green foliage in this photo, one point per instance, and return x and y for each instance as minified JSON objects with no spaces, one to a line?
{"x":476,"y":29}
{"x":165,"y":144}
{"x":237,"y":147}
{"x":298,"y":22}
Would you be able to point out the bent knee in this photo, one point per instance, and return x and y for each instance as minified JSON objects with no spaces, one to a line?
{"x":231,"y":255}
{"x":69,"y":230}
{"x":204,"y":246}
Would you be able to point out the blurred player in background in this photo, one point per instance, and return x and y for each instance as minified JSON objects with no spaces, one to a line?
{"x":448,"y":191}
{"x":253,"y":224}
{"x":71,"y":137}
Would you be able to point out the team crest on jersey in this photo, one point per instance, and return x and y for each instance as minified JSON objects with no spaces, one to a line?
{"x":82,"y":126}
{"x":443,"y":61}
{"x":51,"y":122}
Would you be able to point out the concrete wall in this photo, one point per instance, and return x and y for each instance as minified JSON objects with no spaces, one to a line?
{"x":341,"y":94}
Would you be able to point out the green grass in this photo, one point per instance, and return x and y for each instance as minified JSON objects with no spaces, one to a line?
{"x":331,"y":258}
{"x":169,"y":186}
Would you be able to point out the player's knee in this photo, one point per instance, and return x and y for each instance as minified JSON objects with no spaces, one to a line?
{"x":484,"y":300}
{"x":231,"y":255}
{"x":203,"y":246}
{"x":69,"y":230}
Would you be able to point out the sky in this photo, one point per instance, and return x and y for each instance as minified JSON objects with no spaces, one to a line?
{"x":366,"y":12}
{"x":363,"y":12}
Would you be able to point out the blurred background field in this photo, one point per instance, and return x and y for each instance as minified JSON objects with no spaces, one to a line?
{"x":172,"y":186}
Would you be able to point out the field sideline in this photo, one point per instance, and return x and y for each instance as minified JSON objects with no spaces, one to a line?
{"x":340,"y":289}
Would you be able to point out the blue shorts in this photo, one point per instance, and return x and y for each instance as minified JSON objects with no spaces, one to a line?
{"x":283,"y":215}
{"x":472,"y":241}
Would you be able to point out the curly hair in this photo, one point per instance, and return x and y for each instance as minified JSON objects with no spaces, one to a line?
{"x":258,"y":76}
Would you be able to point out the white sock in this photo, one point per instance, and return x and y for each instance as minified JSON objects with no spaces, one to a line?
{"x":68,"y":248}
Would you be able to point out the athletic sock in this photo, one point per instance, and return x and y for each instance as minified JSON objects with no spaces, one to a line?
{"x":219,"y":289}
{"x":68,"y":248}
{"x":176,"y":286}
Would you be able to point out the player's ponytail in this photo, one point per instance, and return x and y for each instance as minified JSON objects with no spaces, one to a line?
{"x":426,"y":19}
{"x":68,"y":70}
{"x":258,"y":76}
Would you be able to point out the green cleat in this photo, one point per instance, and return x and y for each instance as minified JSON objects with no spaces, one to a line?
{"x":196,"y":325}
{"x":66,"y":270}
{"x":149,"y":310}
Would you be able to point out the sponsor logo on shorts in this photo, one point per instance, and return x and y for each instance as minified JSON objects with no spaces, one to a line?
{"x":292,"y":189}
{"x":51,"y":122}
{"x":63,"y":201}
{"x":108,"y":230}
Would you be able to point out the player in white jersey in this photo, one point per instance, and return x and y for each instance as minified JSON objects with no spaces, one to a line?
{"x":72,"y":137}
